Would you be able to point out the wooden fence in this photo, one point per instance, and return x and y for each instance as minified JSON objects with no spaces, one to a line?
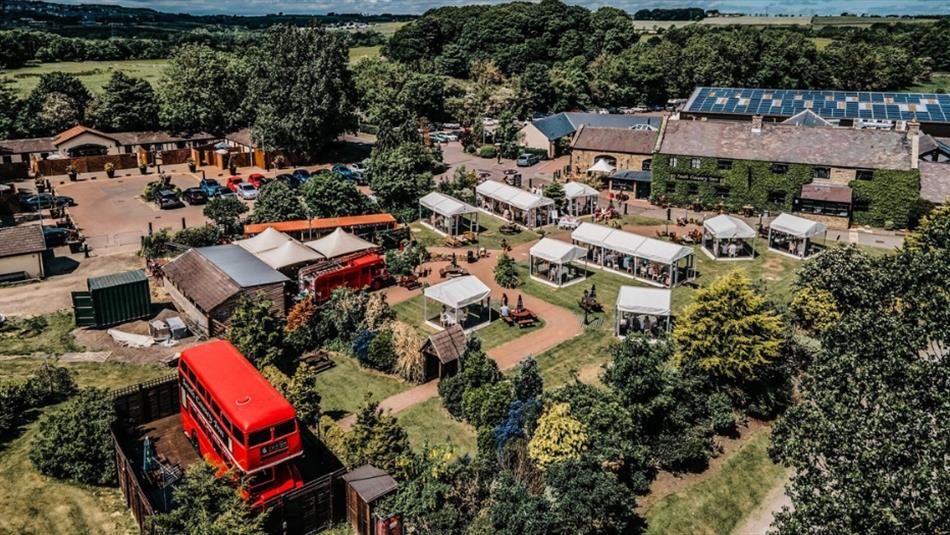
{"x":14,"y":171}
{"x":85,"y":164}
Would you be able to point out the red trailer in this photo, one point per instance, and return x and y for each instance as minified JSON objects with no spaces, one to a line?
{"x":356,"y":271}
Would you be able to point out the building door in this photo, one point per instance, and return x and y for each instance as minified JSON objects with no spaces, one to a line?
{"x":642,"y":190}
{"x":83,"y":309}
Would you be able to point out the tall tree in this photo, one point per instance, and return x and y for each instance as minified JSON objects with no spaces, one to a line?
{"x":558,"y":438}
{"x":57,"y":102}
{"x":258,"y":332}
{"x":329,"y":195}
{"x":527,"y":382}
{"x":378,"y":439}
{"x":9,"y":110}
{"x":127,"y":104}
{"x":203,"y":90}
{"x":226,"y":213}
{"x":933,"y":232}
{"x":300,"y":90}
{"x":400,"y":176}
{"x":277,"y":202}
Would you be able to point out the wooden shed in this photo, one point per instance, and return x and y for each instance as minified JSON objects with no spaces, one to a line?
{"x":442,"y":351}
{"x":364,"y":487}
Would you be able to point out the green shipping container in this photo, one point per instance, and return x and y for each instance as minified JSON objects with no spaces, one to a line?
{"x":113,"y":299}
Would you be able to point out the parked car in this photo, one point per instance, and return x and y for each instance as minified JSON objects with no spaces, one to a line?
{"x":291,"y":181}
{"x":56,"y":236}
{"x":257,"y":180}
{"x":194,"y":196}
{"x":211,"y":187}
{"x":168,"y":199}
{"x":302,"y":175}
{"x":345,"y":172}
{"x":246,"y":191}
{"x":233,"y":183}
{"x":527,"y":160}
{"x":450,"y":136}
{"x":438,"y":138}
{"x":45,"y":200}
{"x":228,"y":195}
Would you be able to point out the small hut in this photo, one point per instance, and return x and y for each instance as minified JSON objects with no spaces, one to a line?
{"x":441,"y":352}
{"x":364,"y":487}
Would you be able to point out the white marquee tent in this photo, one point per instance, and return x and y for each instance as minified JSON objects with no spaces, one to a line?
{"x":289,"y":254}
{"x":550,"y":262}
{"x":639,"y":307}
{"x":448,"y":213}
{"x":723,"y":238}
{"x":581,"y":198}
{"x":339,"y":243}
{"x":269,"y":239}
{"x":456,"y":296}
{"x":522,"y":206}
{"x":792,"y":235}
{"x":653,"y":261}
{"x":601,"y":166}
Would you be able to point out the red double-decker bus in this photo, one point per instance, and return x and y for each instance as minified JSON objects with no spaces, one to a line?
{"x":235,"y":418}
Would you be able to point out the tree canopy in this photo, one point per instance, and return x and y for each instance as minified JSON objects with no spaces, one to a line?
{"x":329,"y":195}
{"x":203,"y":90}
{"x":277,"y":202}
{"x":127,"y":104}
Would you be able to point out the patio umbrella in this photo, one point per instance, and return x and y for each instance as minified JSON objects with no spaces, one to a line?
{"x":520,"y":303}
{"x":593,"y":291}
{"x":504,"y":299}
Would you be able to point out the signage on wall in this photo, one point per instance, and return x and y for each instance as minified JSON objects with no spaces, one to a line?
{"x":698,"y":178}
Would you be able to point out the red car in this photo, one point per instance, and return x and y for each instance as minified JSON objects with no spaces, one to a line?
{"x":258,"y":180}
{"x":233,"y":183}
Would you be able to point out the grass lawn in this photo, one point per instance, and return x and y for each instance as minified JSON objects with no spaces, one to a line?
{"x":489,"y":237}
{"x":429,"y":422}
{"x":44,"y":334}
{"x":41,"y":505}
{"x":939,"y":81}
{"x":343,"y":388}
{"x":822,"y":43}
{"x":718,"y":503}
{"x":94,"y":74}
{"x":361,"y":52}
{"x":495,"y":334}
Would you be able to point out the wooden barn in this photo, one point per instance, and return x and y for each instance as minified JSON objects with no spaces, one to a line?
{"x":442,"y":351}
{"x":364,"y":487}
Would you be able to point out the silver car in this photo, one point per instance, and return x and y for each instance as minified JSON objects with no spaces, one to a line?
{"x":246,"y":191}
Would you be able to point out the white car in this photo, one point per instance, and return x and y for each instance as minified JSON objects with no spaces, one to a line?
{"x":568,"y":222}
{"x":449,"y":136}
{"x":246,"y":191}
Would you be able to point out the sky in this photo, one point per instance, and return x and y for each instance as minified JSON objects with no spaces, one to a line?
{"x":772,"y":7}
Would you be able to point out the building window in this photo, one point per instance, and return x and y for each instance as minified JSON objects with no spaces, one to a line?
{"x":673,"y":161}
{"x":724,"y":165}
{"x":646,"y":164}
{"x":128,"y":149}
{"x":722,"y":192}
{"x":695,"y":163}
{"x":180,"y":144}
{"x":779,"y":168}
{"x":692,"y":189}
{"x":671,"y":187}
{"x":7,"y":158}
{"x":821,"y":172}
{"x":777,"y":197}
{"x":864,"y":174}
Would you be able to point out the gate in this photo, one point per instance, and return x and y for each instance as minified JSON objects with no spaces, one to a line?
{"x":83,"y":309}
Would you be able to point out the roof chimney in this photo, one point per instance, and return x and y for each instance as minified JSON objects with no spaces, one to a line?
{"x":913,"y":134}
{"x":756,"y":123}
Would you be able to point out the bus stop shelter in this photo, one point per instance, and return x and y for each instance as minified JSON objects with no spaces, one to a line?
{"x":581,"y":198}
{"x":643,"y":310}
{"x":465,"y":301}
{"x":793,"y":236}
{"x":728,"y":238}
{"x":447,"y":215}
{"x":514,"y":205}
{"x":552,"y":262}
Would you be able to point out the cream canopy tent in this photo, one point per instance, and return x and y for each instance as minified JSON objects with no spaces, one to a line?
{"x":558,"y":254}
{"x":449,"y":208}
{"x":339,"y":243}
{"x":288,"y":254}
{"x":633,"y":301}
{"x":607,"y":243}
{"x":581,"y":198}
{"x":456,"y":295}
{"x":725,"y":228}
{"x":269,"y":239}
{"x":514,"y":198}
{"x":601,"y":166}
{"x":793,"y":234}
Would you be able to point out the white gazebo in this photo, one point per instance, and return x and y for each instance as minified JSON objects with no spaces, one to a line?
{"x":552,"y":262}
{"x":643,"y":310}
{"x":724,"y":238}
{"x":656,"y":262}
{"x":447,"y":215}
{"x":792,"y":236}
{"x":339,"y":243}
{"x":515,"y":205}
{"x":465,"y":301}
{"x":602,"y":166}
{"x":581,"y":198}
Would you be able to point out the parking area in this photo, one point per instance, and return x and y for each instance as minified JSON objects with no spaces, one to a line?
{"x":454,"y":155}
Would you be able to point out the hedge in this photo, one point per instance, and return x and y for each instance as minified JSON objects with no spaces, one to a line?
{"x":891,"y":196}
{"x":487,"y":151}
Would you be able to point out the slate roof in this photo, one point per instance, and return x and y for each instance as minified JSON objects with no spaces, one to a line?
{"x":837,"y":147}
{"x":25,"y":239}
{"x":807,"y":118}
{"x":566,"y":123}
{"x":823,"y":192}
{"x":23,"y":146}
{"x":625,"y":140}
{"x":149,"y":137}
{"x":242,"y":136}
{"x":77,"y":131}
{"x":210,"y":276}
{"x":446,"y":345}
{"x":370,"y":482}
{"x":935,"y":182}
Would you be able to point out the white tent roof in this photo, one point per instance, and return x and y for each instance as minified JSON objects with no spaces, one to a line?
{"x":797,"y":226}
{"x":574,"y":190}
{"x":725,"y":227}
{"x":518,"y":198}
{"x":458,"y":293}
{"x":630,"y":243}
{"x":557,"y":251}
{"x":443,"y":204}
{"x":269,"y":239}
{"x":288,"y":254}
{"x":339,"y":243}
{"x":653,"y":301}
{"x":601,"y":166}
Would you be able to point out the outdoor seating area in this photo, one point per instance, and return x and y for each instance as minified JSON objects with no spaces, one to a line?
{"x":463,"y":301}
{"x":515,"y":205}
{"x":519,"y":315}
{"x":728,"y":238}
{"x":793,"y":236}
{"x":646,"y":311}
{"x":580,"y":198}
{"x":448,"y":215}
{"x":652,"y":261}
{"x":552,"y":262}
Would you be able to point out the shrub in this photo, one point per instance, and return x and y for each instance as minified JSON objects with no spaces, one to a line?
{"x":302,"y":394}
{"x":360,"y":346}
{"x":410,"y":364}
{"x":13,"y":401}
{"x":381,"y":355}
{"x":50,"y":384}
{"x":487,"y":151}
{"x":334,"y":437}
{"x":74,"y":442}
{"x":451,"y":391}
{"x":505,"y":273}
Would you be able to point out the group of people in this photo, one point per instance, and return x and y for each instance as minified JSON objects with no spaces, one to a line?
{"x":794,"y":246}
{"x":643,"y":323}
{"x":645,"y":269}
{"x":729,"y":249}
{"x":558,"y":274}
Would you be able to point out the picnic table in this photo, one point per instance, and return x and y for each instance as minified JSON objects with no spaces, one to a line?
{"x":521,"y":317}
{"x":451,"y":272}
{"x":410,"y":282}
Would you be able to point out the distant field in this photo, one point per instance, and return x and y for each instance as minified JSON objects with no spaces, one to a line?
{"x":778,"y":21}
{"x":822,"y":43}
{"x":94,"y":74}
{"x":362,"y":52}
{"x":939,"y":83}
{"x":388,"y":28}
{"x":866,"y":21}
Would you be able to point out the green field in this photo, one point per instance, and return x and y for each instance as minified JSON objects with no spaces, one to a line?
{"x":429,"y":423}
{"x":489,"y":236}
{"x":388,"y":28}
{"x":345,"y":387}
{"x":939,"y":83}
{"x":94,"y":74}
{"x":41,"y":334}
{"x":358,"y":53}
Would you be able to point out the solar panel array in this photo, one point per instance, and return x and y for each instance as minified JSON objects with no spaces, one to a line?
{"x":870,"y":105}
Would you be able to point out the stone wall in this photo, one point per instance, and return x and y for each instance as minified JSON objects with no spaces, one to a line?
{"x":582,"y":160}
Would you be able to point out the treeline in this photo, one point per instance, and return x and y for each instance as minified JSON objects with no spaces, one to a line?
{"x":685,"y":13}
